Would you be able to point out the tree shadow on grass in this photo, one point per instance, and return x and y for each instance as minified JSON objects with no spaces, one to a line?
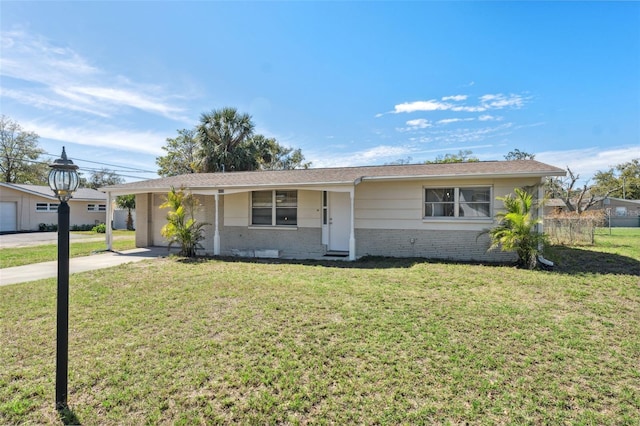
{"x":571,"y":260}
{"x":567,"y":261}
{"x":68,"y":417}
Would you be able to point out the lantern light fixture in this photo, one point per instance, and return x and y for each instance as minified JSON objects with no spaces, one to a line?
{"x":63,"y":177}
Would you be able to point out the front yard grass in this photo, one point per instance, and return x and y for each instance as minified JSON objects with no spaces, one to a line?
{"x":378,"y":341}
{"x":123,"y":240}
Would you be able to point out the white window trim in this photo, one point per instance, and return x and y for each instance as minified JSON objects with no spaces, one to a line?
{"x":96,"y":208}
{"x":456,"y":201}
{"x":273,"y":212}
{"x":49,"y":208}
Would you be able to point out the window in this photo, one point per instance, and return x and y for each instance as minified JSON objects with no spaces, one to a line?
{"x":274,"y":208}
{"x":469,"y":202}
{"x":46,"y":207}
{"x":96,"y":207}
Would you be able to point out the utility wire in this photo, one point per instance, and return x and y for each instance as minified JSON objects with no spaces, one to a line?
{"x":107,"y":164}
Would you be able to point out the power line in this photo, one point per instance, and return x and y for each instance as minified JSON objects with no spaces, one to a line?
{"x":135,"y":169}
{"x":90,"y":169}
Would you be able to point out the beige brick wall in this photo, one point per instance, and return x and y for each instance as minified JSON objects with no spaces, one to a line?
{"x":453,"y":245}
{"x":297,"y":243}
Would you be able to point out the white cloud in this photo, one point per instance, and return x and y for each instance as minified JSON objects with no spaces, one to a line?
{"x":456,"y":98}
{"x":465,"y":135}
{"x":487,"y":117}
{"x":101,"y":136}
{"x":499,"y":101}
{"x":376,"y":155}
{"x":58,"y":77}
{"x":431,"y":105}
{"x":453,"y":120}
{"x":46,"y":102}
{"x":487,"y":102}
{"x":586,"y":162}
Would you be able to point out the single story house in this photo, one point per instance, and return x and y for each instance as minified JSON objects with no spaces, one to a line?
{"x":421,"y":210}
{"x":25,"y":207}
{"x":619,"y":212}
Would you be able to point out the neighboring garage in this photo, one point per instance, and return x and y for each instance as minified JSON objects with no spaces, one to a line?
{"x":25,"y":207}
{"x":8,"y":216}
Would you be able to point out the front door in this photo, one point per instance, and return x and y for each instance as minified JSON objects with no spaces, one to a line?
{"x":339,"y":209}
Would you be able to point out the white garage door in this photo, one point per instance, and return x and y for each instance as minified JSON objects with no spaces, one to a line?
{"x":8,"y":216}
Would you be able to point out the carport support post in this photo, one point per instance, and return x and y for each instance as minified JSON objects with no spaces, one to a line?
{"x":216,"y":232}
{"x":62,"y":333}
{"x":109,"y":224}
{"x":352,"y":233}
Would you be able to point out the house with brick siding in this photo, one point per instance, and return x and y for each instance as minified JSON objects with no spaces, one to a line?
{"x":422,"y":210}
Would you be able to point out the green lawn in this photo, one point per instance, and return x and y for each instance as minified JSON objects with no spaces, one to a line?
{"x":376,"y":341}
{"x":123,"y":240}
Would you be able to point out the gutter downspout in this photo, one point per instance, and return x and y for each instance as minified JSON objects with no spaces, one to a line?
{"x":109,"y":220}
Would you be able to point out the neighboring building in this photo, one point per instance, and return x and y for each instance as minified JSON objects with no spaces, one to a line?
{"x":25,"y":207}
{"x":425,"y":210}
{"x":120,"y":218}
{"x":621,"y":212}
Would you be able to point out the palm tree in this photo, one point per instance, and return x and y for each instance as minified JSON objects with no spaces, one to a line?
{"x":222,"y":132}
{"x":517,"y":229}
{"x":182,"y":227}
{"x":127,"y":202}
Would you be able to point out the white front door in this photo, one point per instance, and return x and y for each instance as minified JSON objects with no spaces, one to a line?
{"x":339,"y":221}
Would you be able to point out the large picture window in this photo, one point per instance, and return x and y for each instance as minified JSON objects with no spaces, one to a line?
{"x":467,"y":202}
{"x":274,"y":208}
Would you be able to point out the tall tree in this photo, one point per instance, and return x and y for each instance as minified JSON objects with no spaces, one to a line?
{"x":19,"y":153}
{"x":182,"y":155}
{"x":127,"y":202}
{"x":576,"y":199}
{"x":463,"y":156}
{"x":222,"y":132}
{"x":103,"y":177}
{"x":270,"y":155}
{"x":516,"y":154}
{"x":623,"y":181}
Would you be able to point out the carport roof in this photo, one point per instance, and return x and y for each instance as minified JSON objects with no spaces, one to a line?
{"x":342,"y":175}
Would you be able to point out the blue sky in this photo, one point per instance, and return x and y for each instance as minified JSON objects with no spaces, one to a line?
{"x":350,"y":83}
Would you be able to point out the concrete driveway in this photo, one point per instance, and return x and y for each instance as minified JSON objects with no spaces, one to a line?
{"x":27,"y":239}
{"x":38,"y":271}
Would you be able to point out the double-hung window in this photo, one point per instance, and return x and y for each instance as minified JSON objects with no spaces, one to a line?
{"x":458,"y":202}
{"x":274,"y":208}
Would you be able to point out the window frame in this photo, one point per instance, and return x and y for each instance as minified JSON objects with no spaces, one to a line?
{"x":273,"y":206}
{"x":457,"y":202}
{"x":47,"y":207}
{"x":96,"y":208}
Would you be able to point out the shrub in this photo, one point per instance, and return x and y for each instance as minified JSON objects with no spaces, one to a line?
{"x":182,"y":227}
{"x":85,"y":227}
{"x":571,"y":228}
{"x":100,"y":229}
{"x":52,"y":227}
{"x":517,"y":229}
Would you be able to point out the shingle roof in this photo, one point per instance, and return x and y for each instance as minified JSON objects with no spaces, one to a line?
{"x":343,"y":175}
{"x":84,"y":194}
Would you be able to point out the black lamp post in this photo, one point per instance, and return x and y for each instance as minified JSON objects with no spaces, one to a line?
{"x":63,"y":180}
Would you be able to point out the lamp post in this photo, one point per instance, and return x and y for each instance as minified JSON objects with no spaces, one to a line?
{"x":63,"y":181}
